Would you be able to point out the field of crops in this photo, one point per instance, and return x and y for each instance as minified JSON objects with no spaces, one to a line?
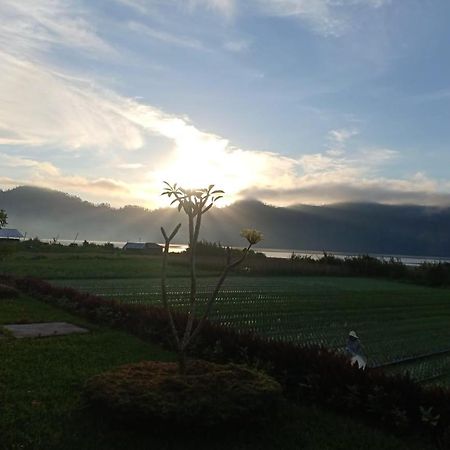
{"x":396,"y":321}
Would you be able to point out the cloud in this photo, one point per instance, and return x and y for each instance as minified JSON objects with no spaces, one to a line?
{"x":225,"y":7}
{"x":342,"y":135}
{"x":378,"y":156}
{"x":44,"y":168}
{"x":79,"y":115}
{"x":30,"y":26}
{"x":317,"y":13}
{"x":331,"y":178}
{"x":341,"y":166}
{"x":326,"y":17}
{"x":42,"y":106}
{"x":32,"y":172}
{"x":338,"y":140}
{"x":130,"y":166}
{"x":237,"y":46}
{"x":141,"y":6}
{"x":73,"y":115}
{"x":339,"y":162}
{"x":114,"y":191}
{"x":165,"y":37}
{"x":380,"y":190}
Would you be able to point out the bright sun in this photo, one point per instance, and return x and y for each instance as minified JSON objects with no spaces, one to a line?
{"x":210,"y":163}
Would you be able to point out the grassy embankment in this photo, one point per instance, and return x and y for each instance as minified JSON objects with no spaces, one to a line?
{"x":41,"y":406}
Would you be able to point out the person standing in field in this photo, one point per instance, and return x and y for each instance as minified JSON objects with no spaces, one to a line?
{"x":355,"y":351}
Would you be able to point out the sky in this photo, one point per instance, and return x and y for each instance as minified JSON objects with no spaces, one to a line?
{"x":284,"y":101}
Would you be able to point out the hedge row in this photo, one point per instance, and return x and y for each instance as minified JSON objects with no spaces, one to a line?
{"x":309,"y":373}
{"x":429,"y":274}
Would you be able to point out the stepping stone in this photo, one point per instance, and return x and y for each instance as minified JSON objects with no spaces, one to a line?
{"x":31,"y":330}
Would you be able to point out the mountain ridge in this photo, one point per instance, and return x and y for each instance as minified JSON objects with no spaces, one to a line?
{"x":352,"y":227}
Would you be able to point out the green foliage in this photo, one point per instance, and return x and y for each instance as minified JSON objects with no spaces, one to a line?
{"x":41,"y":406}
{"x":7,"y":249}
{"x":55,"y":419}
{"x":206,"y":395}
{"x":194,"y":202}
{"x":329,"y":258}
{"x":52,"y":262}
{"x":8,"y":291}
{"x":3,"y":218}
{"x":206,"y":249}
{"x":428,"y":417}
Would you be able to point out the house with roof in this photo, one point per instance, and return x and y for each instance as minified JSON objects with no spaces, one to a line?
{"x":149,"y":248}
{"x":10,"y":234}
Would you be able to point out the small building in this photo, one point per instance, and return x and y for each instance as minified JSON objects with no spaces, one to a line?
{"x":10,"y":234}
{"x":150,"y":248}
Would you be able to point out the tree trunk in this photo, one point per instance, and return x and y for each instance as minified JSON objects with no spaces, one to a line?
{"x":181,"y":362}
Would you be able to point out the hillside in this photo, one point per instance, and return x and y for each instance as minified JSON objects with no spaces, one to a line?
{"x":352,"y":227}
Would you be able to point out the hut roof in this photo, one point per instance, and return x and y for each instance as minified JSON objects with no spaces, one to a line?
{"x":141,"y":246}
{"x":10,"y":233}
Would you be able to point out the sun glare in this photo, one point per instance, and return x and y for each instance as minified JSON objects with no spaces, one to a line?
{"x":209,"y":163}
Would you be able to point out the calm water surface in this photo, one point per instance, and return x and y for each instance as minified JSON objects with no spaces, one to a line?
{"x":286,"y":253}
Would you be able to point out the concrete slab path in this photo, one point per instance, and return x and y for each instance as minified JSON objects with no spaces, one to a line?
{"x":32,"y":330}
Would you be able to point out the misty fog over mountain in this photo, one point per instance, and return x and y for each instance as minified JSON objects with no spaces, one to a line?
{"x":349,"y":227}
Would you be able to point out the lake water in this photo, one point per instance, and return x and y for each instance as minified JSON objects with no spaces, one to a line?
{"x":286,"y":253}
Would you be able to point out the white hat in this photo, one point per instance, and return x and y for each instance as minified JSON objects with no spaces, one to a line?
{"x":353,"y":334}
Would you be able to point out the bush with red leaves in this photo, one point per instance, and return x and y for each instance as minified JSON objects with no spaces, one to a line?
{"x":8,"y":292}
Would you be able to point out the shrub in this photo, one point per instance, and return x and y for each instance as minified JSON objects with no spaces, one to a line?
{"x":8,"y":291}
{"x":306,"y":372}
{"x":154,"y":393}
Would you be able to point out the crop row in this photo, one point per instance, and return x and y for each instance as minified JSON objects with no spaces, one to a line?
{"x":394,"y":321}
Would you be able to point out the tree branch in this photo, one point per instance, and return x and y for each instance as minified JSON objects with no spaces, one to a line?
{"x":164,"y":285}
{"x":230,"y":265}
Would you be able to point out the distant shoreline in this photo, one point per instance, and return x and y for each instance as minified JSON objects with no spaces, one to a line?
{"x":408,"y":260}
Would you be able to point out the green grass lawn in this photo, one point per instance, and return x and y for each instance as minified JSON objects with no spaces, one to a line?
{"x":394,"y":320}
{"x":41,"y":405}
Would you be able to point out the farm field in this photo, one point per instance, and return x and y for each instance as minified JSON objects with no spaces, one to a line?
{"x":395,"y":321}
{"x":42,"y":404}
{"x":77,"y":264}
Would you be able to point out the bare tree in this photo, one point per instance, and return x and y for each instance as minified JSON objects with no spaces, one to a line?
{"x":195,"y":203}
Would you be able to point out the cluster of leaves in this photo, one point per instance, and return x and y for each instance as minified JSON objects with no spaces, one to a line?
{"x":193,"y":201}
{"x":3,"y":218}
{"x":208,"y":394}
{"x":306,"y":373}
{"x":252,"y":236}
